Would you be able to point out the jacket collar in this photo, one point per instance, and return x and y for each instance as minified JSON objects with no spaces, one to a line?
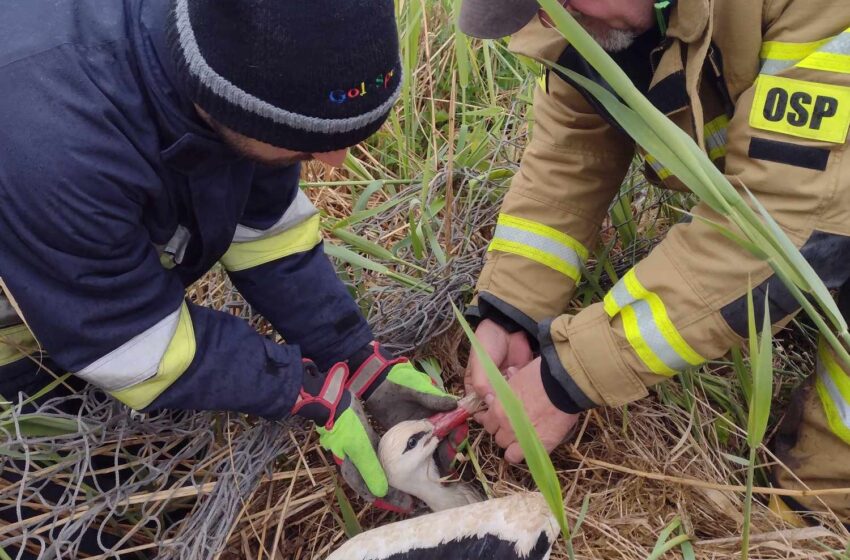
{"x":688,"y":20}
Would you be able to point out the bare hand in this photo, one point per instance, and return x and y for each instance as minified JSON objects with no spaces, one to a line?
{"x":505,"y":349}
{"x":552,"y":425}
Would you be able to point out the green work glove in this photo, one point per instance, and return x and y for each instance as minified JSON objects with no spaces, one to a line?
{"x":393,"y":390}
{"x":345,"y":432}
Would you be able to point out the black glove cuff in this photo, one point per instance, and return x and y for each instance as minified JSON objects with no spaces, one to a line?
{"x":556,"y":393}
{"x":322,"y":397}
{"x":370,"y":367}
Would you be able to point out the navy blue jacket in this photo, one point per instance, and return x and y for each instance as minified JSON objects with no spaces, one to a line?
{"x":102,"y":162}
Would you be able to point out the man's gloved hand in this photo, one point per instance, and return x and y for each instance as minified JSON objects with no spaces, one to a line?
{"x":344,"y":431}
{"x":395,"y":391}
{"x":392,"y":389}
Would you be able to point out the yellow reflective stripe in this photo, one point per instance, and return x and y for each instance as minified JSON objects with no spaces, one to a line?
{"x":827,"y":62}
{"x":543,"y":231}
{"x":662,"y":320}
{"x":176,"y":360}
{"x":648,"y":327}
{"x":16,"y":343}
{"x":660,"y":170}
{"x":632,"y":328}
{"x":297,"y":239}
{"x":610,"y":305}
{"x":833,"y":387}
{"x":716,"y":137}
{"x":536,"y":255}
{"x":779,"y":50}
{"x":828,"y":55}
{"x":540,"y":243}
{"x":834,"y":56}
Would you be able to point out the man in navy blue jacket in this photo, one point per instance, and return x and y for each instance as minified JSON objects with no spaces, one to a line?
{"x":144,"y":141}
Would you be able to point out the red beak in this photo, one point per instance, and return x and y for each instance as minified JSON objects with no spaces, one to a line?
{"x":445,"y":422}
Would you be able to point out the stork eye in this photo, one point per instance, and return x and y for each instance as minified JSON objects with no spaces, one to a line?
{"x":413,"y":441}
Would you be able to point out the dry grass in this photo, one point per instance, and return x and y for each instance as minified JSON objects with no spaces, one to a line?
{"x":628,"y":474}
{"x":635,"y":471}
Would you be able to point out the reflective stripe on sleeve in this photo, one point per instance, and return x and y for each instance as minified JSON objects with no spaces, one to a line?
{"x":661,"y":171}
{"x":300,"y":210}
{"x":648,"y":327}
{"x":833,"y":387}
{"x":297,"y":239}
{"x":175,"y":359}
{"x":540,"y":243}
{"x":716,"y":138}
{"x":830,"y":55}
{"x":716,"y":133}
{"x":143,"y":357}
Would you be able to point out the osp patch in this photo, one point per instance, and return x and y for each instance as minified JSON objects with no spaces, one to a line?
{"x":803,"y":109}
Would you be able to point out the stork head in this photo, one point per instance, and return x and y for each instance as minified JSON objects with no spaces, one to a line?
{"x":407,"y":452}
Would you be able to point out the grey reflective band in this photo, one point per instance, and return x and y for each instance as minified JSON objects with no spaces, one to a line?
{"x":365,"y":376}
{"x":839,"y":45}
{"x":539,"y":242}
{"x":336,"y":383}
{"x":621,"y":295}
{"x":717,"y":139}
{"x":653,"y":338}
{"x":841,"y":406}
{"x":772,"y":67}
{"x":134,"y":361}
{"x":300,"y":209}
{"x":176,"y":246}
{"x":229,"y":91}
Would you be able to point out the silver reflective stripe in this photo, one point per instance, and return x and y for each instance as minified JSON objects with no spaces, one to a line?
{"x":772,"y":67}
{"x":651,"y":334}
{"x":621,"y":295}
{"x":8,"y":315}
{"x":539,"y":242}
{"x":176,"y":246}
{"x":369,"y":369}
{"x":225,"y":89}
{"x":842,"y":406}
{"x":335,"y":385}
{"x":136,"y":360}
{"x":300,"y":209}
{"x":716,"y":139}
{"x":839,"y":45}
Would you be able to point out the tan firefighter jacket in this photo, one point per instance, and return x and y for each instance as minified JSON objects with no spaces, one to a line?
{"x":764,"y":85}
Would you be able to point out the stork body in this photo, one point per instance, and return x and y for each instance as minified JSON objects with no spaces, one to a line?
{"x":407,"y":455}
{"x":518,"y":527}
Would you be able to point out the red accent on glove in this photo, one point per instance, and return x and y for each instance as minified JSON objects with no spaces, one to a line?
{"x":379,"y":503}
{"x":385,"y":365}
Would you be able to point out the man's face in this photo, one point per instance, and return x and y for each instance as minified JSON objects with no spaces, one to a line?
{"x":267,"y":154}
{"x":614,"y":24}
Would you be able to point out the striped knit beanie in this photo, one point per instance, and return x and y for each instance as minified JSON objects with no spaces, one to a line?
{"x":305,"y":75}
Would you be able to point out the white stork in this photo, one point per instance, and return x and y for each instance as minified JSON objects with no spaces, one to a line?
{"x":518,"y":527}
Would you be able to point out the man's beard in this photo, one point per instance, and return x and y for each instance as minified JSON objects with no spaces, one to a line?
{"x":239,"y":145}
{"x":612,"y":40}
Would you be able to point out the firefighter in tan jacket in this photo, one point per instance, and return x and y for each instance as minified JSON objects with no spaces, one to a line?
{"x":764,"y":87}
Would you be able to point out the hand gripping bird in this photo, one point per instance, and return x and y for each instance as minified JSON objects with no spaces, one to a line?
{"x":518,"y":527}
